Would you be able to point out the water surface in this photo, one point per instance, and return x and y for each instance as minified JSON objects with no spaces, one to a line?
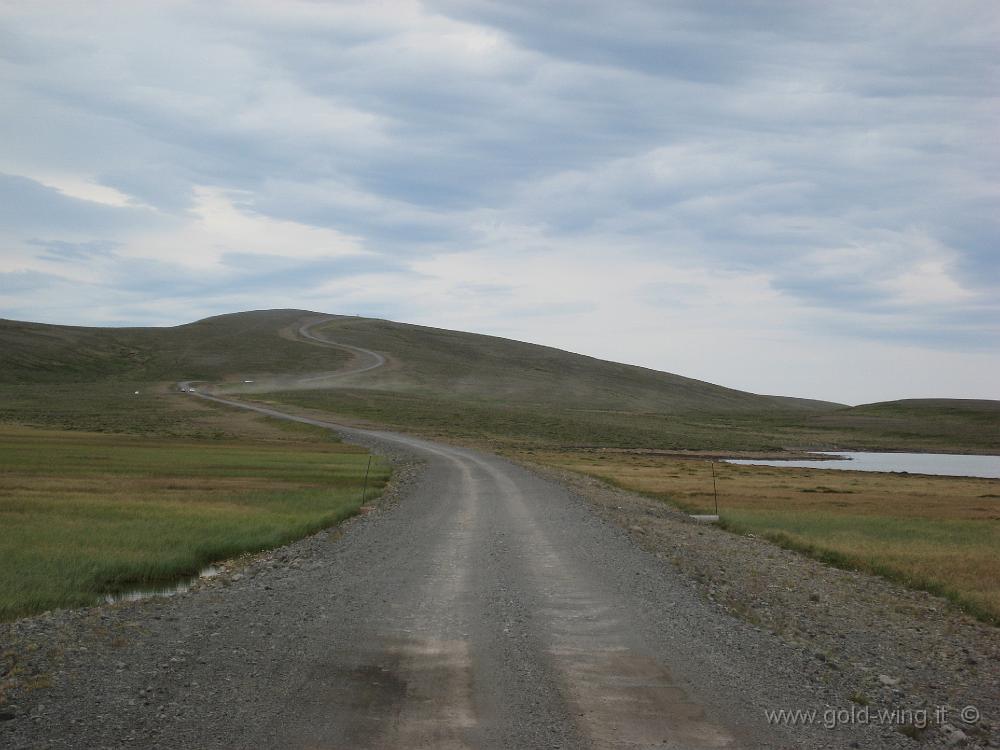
{"x":939,"y":464}
{"x":180,"y":587}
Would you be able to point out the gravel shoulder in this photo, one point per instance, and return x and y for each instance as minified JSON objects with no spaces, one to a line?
{"x":869,"y":642}
{"x":128,"y":674}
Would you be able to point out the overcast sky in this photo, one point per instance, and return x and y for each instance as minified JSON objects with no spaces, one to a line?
{"x":784,"y":197}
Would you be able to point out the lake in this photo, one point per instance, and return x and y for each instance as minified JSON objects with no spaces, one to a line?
{"x":941,"y":464}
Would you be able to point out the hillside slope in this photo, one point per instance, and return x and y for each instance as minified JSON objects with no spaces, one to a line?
{"x":436,"y":361}
{"x":439,"y":382}
{"x":922,"y":423}
{"x":255,"y":342}
{"x":425,"y":360}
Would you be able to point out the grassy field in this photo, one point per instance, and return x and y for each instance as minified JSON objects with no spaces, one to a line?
{"x":940,"y":534}
{"x":481,"y":390}
{"x":952,"y":425}
{"x":158,"y":410}
{"x":111,"y":407}
{"x":87,"y":514}
{"x":511,"y":423}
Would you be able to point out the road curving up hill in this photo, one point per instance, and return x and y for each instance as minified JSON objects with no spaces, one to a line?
{"x":447,"y":383}
{"x":263,"y":343}
{"x":481,"y":606}
{"x":438,"y":361}
{"x":485,"y":608}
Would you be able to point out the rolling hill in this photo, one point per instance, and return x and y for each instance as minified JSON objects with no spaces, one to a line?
{"x":447,"y":383}
{"x":435,"y":361}
{"x":260,"y":342}
{"x":426,"y":360}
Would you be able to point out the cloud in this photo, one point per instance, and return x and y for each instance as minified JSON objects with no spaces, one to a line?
{"x":61,"y":251}
{"x":27,"y":205}
{"x":630,"y":180}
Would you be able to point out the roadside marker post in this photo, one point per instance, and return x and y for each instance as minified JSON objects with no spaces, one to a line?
{"x":364,"y":490}
{"x":705,"y":518}
{"x":715,"y":489}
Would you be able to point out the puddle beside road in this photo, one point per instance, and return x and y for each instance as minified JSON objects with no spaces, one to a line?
{"x":135,"y":595}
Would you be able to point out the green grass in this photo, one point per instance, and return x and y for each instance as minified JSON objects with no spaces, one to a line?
{"x":237,"y":346}
{"x":86,"y":514}
{"x":105,"y":407}
{"x":513,"y":424}
{"x":436,"y":362}
{"x":965,"y":425}
{"x":157,"y":411}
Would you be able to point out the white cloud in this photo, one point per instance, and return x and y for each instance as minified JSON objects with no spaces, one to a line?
{"x":218,"y":227}
{"x":85,"y":189}
{"x":786,"y":189}
{"x":928,"y":282}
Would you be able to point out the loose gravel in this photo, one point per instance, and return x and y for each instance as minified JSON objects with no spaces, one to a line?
{"x":282,"y":638}
{"x":874,"y":644}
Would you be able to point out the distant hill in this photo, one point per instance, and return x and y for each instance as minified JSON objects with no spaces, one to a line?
{"x":443,"y":362}
{"x":257,"y":342}
{"x":929,"y":408}
{"x":921,"y":423}
{"x":428,"y":360}
{"x":445,"y":383}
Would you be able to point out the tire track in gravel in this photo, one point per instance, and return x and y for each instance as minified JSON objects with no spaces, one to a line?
{"x":488,"y":608}
{"x":441,"y":667}
{"x":509,"y":628}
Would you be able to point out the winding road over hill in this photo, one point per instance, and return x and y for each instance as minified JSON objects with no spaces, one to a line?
{"x":486,"y":608}
{"x":364,"y":359}
{"x":489,"y":609}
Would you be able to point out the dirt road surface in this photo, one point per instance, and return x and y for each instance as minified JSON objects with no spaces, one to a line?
{"x":484,"y":607}
{"x":487,"y":608}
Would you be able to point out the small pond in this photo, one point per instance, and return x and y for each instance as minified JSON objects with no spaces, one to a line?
{"x":178,"y":588}
{"x":942,"y":464}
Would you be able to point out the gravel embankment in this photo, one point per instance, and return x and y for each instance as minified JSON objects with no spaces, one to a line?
{"x":156,"y":656}
{"x":877,"y":643}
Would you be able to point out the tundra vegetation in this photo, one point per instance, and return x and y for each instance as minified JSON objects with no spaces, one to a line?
{"x":86,"y":514}
{"x":500,"y":392}
{"x":940,"y":534}
{"x":539,"y":403}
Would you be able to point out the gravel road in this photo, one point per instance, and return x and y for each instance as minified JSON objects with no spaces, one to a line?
{"x":479,"y":605}
{"x":483,"y":607}
{"x":365,"y":360}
